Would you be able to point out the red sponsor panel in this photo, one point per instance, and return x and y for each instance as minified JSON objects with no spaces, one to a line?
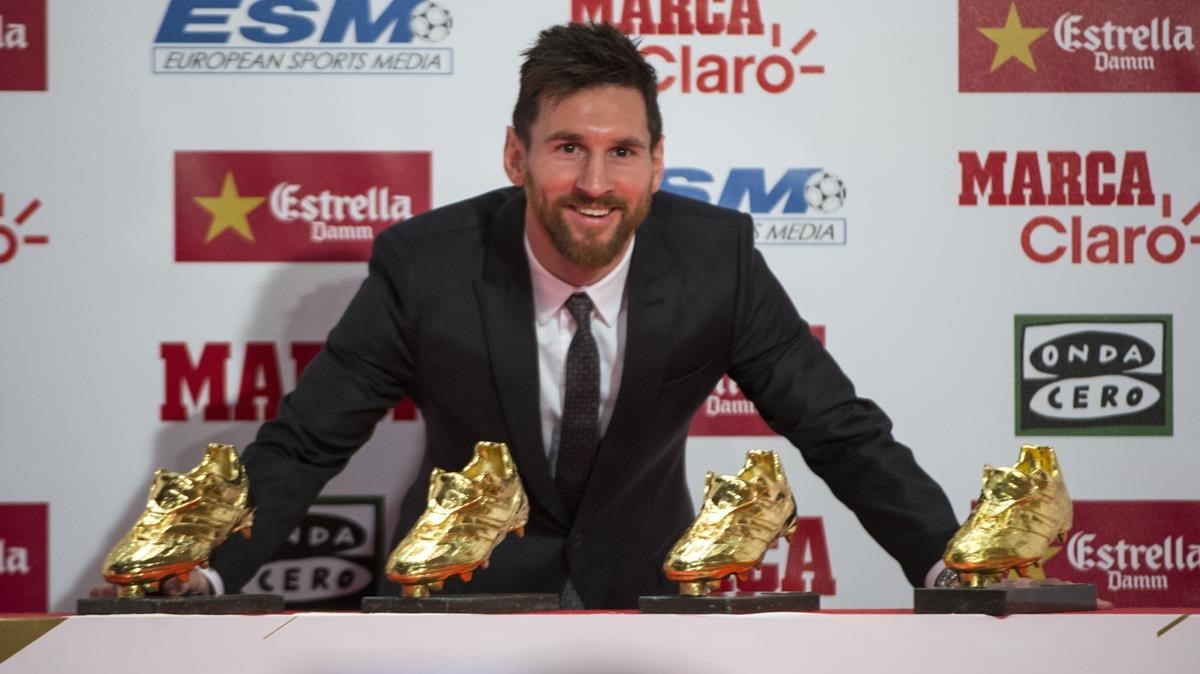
{"x":726,"y":411}
{"x":24,"y":557}
{"x":22,"y":45}
{"x":293,"y":206}
{"x":1078,"y":45}
{"x":1136,"y":553}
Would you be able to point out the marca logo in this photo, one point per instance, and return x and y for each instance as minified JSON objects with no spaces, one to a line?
{"x":24,"y":557}
{"x":1078,"y":45}
{"x":304,"y":36}
{"x":1137,"y":553}
{"x":293,"y":206}
{"x":1093,"y":375}
{"x":328,"y":561}
{"x":796,"y":209}
{"x":10,"y":238}
{"x":197,"y":386}
{"x":1073,"y":179}
{"x":727,"y":412}
{"x":22,"y":45}
{"x":728,"y":57}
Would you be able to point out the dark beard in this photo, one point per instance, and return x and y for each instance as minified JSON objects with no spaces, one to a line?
{"x":587,"y":254}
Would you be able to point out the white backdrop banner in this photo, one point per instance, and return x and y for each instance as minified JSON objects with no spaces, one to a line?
{"x":988,"y":210}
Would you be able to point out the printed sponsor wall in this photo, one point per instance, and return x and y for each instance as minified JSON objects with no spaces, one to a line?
{"x":987,"y":211}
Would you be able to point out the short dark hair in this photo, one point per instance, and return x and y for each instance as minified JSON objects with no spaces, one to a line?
{"x":572,"y":57}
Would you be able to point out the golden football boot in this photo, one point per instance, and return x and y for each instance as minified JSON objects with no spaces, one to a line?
{"x":186,"y":516}
{"x":742,"y":517}
{"x":1019,"y":512}
{"x":467,"y":516}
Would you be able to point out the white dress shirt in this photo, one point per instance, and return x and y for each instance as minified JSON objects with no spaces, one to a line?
{"x":555,"y":327}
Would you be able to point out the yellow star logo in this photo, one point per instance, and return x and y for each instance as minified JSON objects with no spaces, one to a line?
{"x":1013,"y":40}
{"x":229,"y":210}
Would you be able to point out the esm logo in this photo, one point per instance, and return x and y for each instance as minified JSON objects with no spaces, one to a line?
{"x":288,"y":21}
{"x":303,"y":36}
{"x":795,"y":209}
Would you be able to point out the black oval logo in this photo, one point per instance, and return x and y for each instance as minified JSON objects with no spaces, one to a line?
{"x":322,"y":534}
{"x":1092,"y":352}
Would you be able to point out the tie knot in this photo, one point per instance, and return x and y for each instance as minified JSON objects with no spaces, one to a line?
{"x":580,"y":306}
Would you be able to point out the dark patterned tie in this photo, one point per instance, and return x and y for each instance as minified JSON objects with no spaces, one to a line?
{"x":579,"y":435}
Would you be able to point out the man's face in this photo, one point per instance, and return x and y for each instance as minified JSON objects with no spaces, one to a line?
{"x":588,"y":174}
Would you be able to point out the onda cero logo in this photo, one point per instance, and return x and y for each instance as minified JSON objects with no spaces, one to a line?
{"x":331,"y":560}
{"x":393,"y":37}
{"x":1093,"y":375}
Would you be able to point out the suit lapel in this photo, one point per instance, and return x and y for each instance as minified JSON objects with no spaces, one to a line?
{"x":506,"y":306}
{"x":653,"y":292}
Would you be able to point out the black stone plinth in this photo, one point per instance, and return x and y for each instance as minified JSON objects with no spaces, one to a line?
{"x":1003,"y":599}
{"x":227,"y":604}
{"x":526,"y":602}
{"x":764,"y":602}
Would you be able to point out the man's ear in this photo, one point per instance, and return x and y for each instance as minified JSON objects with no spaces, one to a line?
{"x":514,"y":157}
{"x":656,"y":157}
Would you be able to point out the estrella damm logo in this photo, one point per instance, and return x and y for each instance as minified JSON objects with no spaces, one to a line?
{"x":1140,"y":553}
{"x":1093,"y":375}
{"x":1078,"y":45}
{"x":293,"y":206}
{"x":24,"y":557}
{"x":305,"y":36}
{"x":22,"y":45}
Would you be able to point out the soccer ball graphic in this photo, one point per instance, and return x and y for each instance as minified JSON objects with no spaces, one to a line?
{"x":825,"y":192}
{"x":431,"y":22}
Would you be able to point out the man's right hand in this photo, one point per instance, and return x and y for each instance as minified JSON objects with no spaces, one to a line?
{"x":196,"y":584}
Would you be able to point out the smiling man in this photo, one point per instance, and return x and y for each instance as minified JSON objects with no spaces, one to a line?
{"x":581,"y":317}
{"x":589,"y":164}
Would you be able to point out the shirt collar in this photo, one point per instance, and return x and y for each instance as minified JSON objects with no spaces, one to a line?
{"x":551,"y":292}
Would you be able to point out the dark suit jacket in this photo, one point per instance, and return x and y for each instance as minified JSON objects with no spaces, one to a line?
{"x":446,"y":317}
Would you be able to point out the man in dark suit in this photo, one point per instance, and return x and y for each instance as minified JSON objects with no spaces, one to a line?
{"x":462,"y":311}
